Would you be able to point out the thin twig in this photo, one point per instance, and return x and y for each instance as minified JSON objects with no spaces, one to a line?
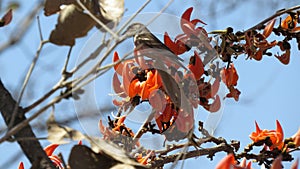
{"x":107,"y":29}
{"x":92,"y":56}
{"x":192,"y":154}
{"x":133,"y":16}
{"x":64,"y":70}
{"x":141,"y":130}
{"x":278,"y":13}
{"x":40,"y":28}
{"x":28,"y":75}
{"x":22,"y":27}
{"x":39,"y":101}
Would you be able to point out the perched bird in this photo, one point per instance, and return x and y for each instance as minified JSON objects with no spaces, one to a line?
{"x":149,"y":45}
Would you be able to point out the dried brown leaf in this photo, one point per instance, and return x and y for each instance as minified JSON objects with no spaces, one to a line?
{"x":6,"y":19}
{"x":53,"y":6}
{"x":59,"y":134}
{"x":112,"y":10}
{"x":83,"y":157}
{"x":72,"y":23}
{"x":112,"y":151}
{"x":269,"y":28}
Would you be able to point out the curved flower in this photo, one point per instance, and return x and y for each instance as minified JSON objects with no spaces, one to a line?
{"x":229,"y":76}
{"x":189,"y":26}
{"x":290,"y":23}
{"x":208,"y":92}
{"x":184,"y":121}
{"x":196,"y":66}
{"x":164,"y":119}
{"x":276,"y":136}
{"x":178,"y":47}
{"x":116,"y":128}
{"x":285,"y":57}
{"x":257,"y":44}
{"x":49,"y":151}
{"x":296,"y":138}
{"x":144,"y":86}
{"x":229,"y":162}
{"x":21,"y":165}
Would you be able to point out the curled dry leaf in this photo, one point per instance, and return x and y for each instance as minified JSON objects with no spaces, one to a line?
{"x":6,"y":19}
{"x":112,"y":10}
{"x":59,"y":134}
{"x":72,"y":23}
{"x":84,"y":157}
{"x":53,"y":6}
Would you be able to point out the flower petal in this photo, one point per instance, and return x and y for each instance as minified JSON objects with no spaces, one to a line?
{"x":118,"y":67}
{"x":50,"y":149}
{"x":21,"y":165}
{"x":279,"y":131}
{"x":226,"y":162}
{"x":196,"y":66}
{"x":277,"y":163}
{"x":269,"y":28}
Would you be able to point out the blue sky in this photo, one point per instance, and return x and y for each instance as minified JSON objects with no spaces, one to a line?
{"x":270,"y":90}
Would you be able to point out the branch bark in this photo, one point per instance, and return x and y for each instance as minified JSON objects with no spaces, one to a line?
{"x":31,"y":148}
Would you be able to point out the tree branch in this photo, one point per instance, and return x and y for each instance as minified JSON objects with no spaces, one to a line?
{"x":31,"y":148}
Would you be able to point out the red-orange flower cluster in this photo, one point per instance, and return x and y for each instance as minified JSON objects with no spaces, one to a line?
{"x":117,"y":127}
{"x":229,"y":162}
{"x":276,"y":136}
{"x":192,"y":35}
{"x":296,"y":138}
{"x":230,"y":77}
{"x":54,"y":158}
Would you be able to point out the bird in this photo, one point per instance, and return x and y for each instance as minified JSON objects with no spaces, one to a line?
{"x":150,"y":45}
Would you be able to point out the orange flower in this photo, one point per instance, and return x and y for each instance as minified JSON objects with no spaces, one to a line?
{"x":276,"y":136}
{"x":49,"y":151}
{"x":285,"y":57}
{"x":196,"y":66}
{"x":290,"y":23}
{"x":163,"y":119}
{"x":229,"y":162}
{"x":143,"y":87}
{"x":144,"y":159}
{"x":296,"y":138}
{"x":229,"y":76}
{"x":234,"y":93}
{"x":208,"y":92}
{"x":185,"y":121}
{"x":21,"y":165}
{"x":189,"y":26}
{"x":158,"y":100}
{"x":116,"y":127}
{"x":257,"y":44}
{"x":178,"y":47}
{"x":277,"y":164}
{"x":214,"y":106}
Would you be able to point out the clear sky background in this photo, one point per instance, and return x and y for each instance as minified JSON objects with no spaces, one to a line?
{"x":270,"y":90}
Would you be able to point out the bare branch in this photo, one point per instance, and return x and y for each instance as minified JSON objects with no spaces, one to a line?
{"x":39,"y":158}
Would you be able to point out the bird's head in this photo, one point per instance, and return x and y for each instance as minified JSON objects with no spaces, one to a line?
{"x":134,"y":29}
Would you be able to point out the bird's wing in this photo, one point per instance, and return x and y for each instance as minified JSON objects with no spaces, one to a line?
{"x":151,"y":41}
